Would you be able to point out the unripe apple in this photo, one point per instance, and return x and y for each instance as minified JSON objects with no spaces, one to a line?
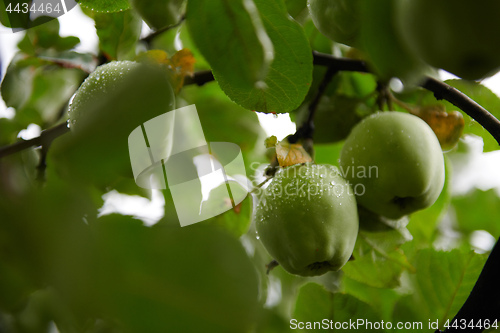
{"x":159,"y":13}
{"x":307,"y":219}
{"x":103,"y":82}
{"x":456,"y":35}
{"x":394,"y":162}
{"x":336,"y":19}
{"x":113,"y":101}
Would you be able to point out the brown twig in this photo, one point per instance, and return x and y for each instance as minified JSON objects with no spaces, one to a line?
{"x":199,"y":78}
{"x":443,"y":91}
{"x":148,"y":39}
{"x":45,"y":138}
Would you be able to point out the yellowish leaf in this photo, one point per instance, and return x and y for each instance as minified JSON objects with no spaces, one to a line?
{"x":153,"y":56}
{"x":448,"y":126}
{"x":271,"y":142}
{"x":182,"y":65}
{"x":291,"y":154}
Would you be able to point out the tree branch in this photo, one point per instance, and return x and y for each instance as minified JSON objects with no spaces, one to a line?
{"x":306,"y":130}
{"x":199,"y":78}
{"x":484,"y":300}
{"x":341,"y":64}
{"x":443,"y":91}
{"x":440,"y":89}
{"x":45,"y":138}
{"x":148,"y":39}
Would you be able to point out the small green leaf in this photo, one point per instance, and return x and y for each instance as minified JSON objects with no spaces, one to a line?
{"x":45,"y":37}
{"x":290,"y":75}
{"x":334,"y":118}
{"x":296,"y":8}
{"x":317,"y":306}
{"x":478,"y":211}
{"x":379,"y":40}
{"x":159,"y":13}
{"x":16,"y":86}
{"x":173,"y":279}
{"x":124,"y":24}
{"x":484,"y":97}
{"x":442,"y":283}
{"x":223,"y":120}
{"x":105,"y":6}
{"x":317,"y":40}
{"x":235,"y":220}
{"x":233,"y":28}
{"x":328,"y":153}
{"x":39,"y":90}
{"x":382,"y":300}
{"x":378,"y":259}
{"x":423,"y":224}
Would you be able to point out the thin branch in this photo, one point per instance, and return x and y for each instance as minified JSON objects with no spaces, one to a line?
{"x":440,"y":89}
{"x":199,"y":78}
{"x":443,"y":91}
{"x":330,"y":73}
{"x":306,"y":130}
{"x":484,"y":300}
{"x":148,"y":39}
{"x":45,"y":138}
{"x":341,"y":64}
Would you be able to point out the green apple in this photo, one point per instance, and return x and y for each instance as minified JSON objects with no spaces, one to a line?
{"x":394,"y":162}
{"x":336,"y":19}
{"x":159,"y":13}
{"x":105,"y":80}
{"x":113,"y":101}
{"x":307,"y":219}
{"x":456,"y":35}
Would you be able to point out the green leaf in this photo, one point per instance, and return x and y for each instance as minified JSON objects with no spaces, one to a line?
{"x":382,"y":300}
{"x":118,"y":33}
{"x":328,"y":153}
{"x":484,"y":97}
{"x":38,"y":90}
{"x":296,"y":8}
{"x":45,"y":37}
{"x":17,"y":83}
{"x":478,"y":211}
{"x":289,"y":77}
{"x":379,"y":40}
{"x":334,"y":118}
{"x":423,"y":224}
{"x":139,"y":95}
{"x":8,"y":131}
{"x":318,"y":308}
{"x":378,"y":259}
{"x":222,"y":27}
{"x":13,"y":19}
{"x":221,"y":119}
{"x":442,"y":283}
{"x":105,"y":6}
{"x":317,"y":40}
{"x":173,"y":279}
{"x":52,"y":89}
{"x":159,"y":13}
{"x":235,"y":220}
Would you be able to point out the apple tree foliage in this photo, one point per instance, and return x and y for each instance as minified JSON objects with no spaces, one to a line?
{"x":64,"y":265}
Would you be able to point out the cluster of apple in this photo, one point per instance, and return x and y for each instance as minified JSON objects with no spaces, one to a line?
{"x":315,"y":232}
{"x":455,"y":35}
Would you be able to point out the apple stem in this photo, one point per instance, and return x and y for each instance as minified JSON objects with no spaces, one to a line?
{"x":306,"y":130}
{"x":273,"y":264}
